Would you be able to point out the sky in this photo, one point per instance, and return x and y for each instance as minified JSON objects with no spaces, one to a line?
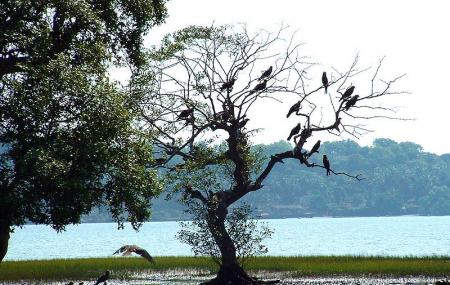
{"x":412,"y":35}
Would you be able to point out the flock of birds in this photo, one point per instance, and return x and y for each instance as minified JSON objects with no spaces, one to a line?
{"x":348,"y":102}
{"x":346,"y":98}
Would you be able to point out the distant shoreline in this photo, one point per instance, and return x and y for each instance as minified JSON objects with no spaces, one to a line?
{"x":300,"y":217}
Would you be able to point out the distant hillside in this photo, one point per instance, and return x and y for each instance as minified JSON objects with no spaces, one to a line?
{"x":400,"y":179}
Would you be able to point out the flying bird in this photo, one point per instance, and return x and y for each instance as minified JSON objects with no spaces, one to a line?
{"x":325,"y":81}
{"x":351,"y":102}
{"x":103,"y":278}
{"x":294,"y":108}
{"x":185,"y":113}
{"x":326,"y":164}
{"x":228,"y":85}
{"x":314,"y":149}
{"x":266,"y":73}
{"x":259,"y":87}
{"x":128,"y":249}
{"x":294,"y":131}
{"x":347,"y":93}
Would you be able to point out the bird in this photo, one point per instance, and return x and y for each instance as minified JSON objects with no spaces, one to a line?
{"x":294,"y":131}
{"x":185,"y":113}
{"x":266,"y":73}
{"x":242,"y":123}
{"x":314,"y":149}
{"x":294,"y":108}
{"x":351,"y":102}
{"x":103,"y":278}
{"x":326,"y":164}
{"x":228,"y":85}
{"x":336,"y":124}
{"x":128,"y":249}
{"x":347,"y":93}
{"x":70,"y":283}
{"x":259,"y":87}
{"x":325,"y":81}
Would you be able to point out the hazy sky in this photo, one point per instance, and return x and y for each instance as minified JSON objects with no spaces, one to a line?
{"x":413,"y":35}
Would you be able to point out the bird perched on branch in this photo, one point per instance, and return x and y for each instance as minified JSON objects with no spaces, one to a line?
{"x":185,"y":113}
{"x":326,"y":164}
{"x":325,"y":81}
{"x":294,"y":108}
{"x":314,"y":149}
{"x":294,"y":131}
{"x":351,"y":102}
{"x":259,"y":87}
{"x":103,"y":278}
{"x":266,"y":73}
{"x":228,"y":85}
{"x":336,"y":124}
{"x":347,"y":93}
{"x":128,"y":249}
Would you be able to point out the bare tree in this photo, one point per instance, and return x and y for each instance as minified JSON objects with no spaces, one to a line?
{"x":200,"y":94}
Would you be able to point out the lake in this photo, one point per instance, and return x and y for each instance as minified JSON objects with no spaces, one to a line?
{"x":386,"y":236}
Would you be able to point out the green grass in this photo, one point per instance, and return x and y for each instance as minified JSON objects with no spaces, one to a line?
{"x":89,"y":268}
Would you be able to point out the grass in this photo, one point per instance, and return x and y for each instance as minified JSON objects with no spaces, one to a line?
{"x":89,"y":268}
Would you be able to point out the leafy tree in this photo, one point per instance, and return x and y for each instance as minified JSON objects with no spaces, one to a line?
{"x":66,"y":131}
{"x":246,"y":232}
{"x":199,"y":96}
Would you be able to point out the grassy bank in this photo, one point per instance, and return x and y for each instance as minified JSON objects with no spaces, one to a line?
{"x":61,"y":269}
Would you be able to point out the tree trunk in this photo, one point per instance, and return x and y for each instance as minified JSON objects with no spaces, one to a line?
{"x":4,"y":238}
{"x":230,"y":271}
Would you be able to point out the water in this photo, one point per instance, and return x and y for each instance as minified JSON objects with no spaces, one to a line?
{"x":387,"y":236}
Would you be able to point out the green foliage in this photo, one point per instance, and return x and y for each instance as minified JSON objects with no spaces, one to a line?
{"x":67,"y":132}
{"x":399,"y":178}
{"x":34,"y":32}
{"x":246,"y":232}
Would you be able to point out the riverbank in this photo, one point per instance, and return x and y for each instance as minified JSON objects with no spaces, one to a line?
{"x":191,"y":269}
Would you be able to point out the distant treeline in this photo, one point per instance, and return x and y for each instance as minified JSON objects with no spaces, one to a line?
{"x":399,"y":179}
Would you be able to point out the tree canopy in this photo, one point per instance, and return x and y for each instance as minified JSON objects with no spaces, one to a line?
{"x":68,"y":134}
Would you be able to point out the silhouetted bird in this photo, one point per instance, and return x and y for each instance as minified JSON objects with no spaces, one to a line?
{"x":294,"y":108}
{"x":103,"y":278}
{"x":351,"y":102}
{"x":325,"y":81}
{"x":185,"y":113}
{"x":336,"y":124}
{"x":294,"y":131}
{"x":347,"y":93}
{"x":326,"y":164}
{"x":314,"y":149}
{"x":242,"y":123}
{"x":128,"y":249}
{"x":259,"y":87}
{"x":70,"y":283}
{"x":302,"y":158}
{"x":266,"y":73}
{"x":228,"y":85}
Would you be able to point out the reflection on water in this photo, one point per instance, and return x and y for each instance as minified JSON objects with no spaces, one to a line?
{"x":393,"y":236}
